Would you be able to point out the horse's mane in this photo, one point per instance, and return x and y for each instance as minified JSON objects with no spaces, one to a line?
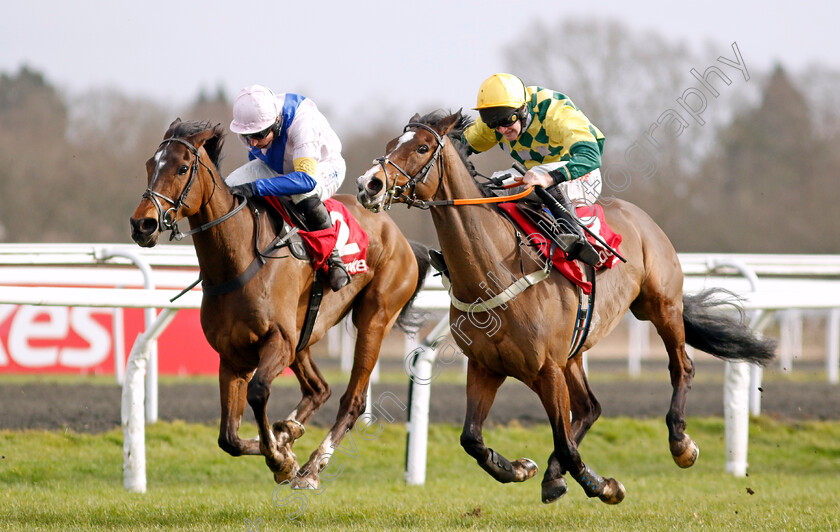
{"x":213,"y":146}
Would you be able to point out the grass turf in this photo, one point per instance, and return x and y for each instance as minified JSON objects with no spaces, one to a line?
{"x":67,"y":481}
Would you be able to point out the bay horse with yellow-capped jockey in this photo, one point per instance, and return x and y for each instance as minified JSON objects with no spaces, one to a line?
{"x":531,"y":335}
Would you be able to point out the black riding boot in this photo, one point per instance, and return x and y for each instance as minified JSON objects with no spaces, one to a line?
{"x":571,"y":234}
{"x":316,"y":217}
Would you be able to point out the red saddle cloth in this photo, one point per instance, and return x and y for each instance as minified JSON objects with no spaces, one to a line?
{"x":346,"y":233}
{"x":570,"y":269}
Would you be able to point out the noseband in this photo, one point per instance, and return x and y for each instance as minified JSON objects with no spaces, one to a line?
{"x":398,"y":192}
{"x":167,"y":219}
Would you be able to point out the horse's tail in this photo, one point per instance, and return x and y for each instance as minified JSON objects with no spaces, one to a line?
{"x":411,"y":319}
{"x":722,"y":335}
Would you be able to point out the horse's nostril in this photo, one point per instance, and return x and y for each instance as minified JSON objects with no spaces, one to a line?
{"x":374,"y":186}
{"x":144,"y":226}
{"x":148,"y":225}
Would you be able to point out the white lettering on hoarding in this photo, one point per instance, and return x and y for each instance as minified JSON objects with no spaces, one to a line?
{"x":5,"y":312}
{"x":35,"y":342}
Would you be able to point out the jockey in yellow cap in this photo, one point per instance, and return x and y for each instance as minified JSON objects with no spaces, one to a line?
{"x":544,"y":131}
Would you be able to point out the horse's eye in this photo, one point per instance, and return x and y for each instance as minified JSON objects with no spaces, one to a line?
{"x":183,"y":170}
{"x":422,"y":149}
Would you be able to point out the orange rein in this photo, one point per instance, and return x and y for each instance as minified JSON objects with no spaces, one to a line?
{"x":500,"y":199}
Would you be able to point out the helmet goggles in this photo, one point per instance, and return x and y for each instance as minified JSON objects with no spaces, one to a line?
{"x":259,"y":135}
{"x":496,"y":117}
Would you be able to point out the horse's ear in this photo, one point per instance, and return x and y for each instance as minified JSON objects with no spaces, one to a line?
{"x":445,"y":125}
{"x":414,"y":119}
{"x":171,"y":130}
{"x":199,"y":139}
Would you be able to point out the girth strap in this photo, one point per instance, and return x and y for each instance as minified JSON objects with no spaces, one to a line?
{"x":583,"y":320}
{"x":311,"y":311}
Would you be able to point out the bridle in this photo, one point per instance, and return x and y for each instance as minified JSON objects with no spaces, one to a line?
{"x":399,"y":191}
{"x":167,"y":219}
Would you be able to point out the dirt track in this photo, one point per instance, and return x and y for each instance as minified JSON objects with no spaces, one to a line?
{"x":96,"y":408}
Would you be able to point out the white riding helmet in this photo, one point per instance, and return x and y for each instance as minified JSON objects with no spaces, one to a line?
{"x":254,"y":109}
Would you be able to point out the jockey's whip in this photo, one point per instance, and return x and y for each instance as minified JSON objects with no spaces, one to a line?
{"x":546,"y":197}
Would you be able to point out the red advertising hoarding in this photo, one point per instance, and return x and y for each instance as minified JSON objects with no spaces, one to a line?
{"x":81,"y":340}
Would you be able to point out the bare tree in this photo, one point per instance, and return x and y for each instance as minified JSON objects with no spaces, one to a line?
{"x":770,"y":175}
{"x":33,"y":119}
{"x":622,"y":79}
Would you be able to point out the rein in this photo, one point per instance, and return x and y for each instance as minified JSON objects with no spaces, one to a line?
{"x":398,"y":192}
{"x":167,"y":218}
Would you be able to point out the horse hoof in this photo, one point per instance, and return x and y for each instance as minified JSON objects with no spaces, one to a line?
{"x":553,"y":490}
{"x":284,"y":476}
{"x":284,"y":465}
{"x":288,"y":430}
{"x":613,"y":492}
{"x":685,"y":452}
{"x":305,"y":482}
{"x":524,"y":468}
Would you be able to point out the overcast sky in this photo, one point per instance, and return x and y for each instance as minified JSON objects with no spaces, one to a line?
{"x":346,"y":55}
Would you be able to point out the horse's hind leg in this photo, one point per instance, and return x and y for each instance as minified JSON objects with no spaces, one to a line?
{"x":666,"y":315}
{"x":233,"y":387}
{"x":551,"y":387}
{"x":482,"y":386}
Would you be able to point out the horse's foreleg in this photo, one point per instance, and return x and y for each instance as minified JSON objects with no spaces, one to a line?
{"x":585,"y":411}
{"x":482,"y":386}
{"x":232,"y":390}
{"x":552,"y":389}
{"x":585,"y":407}
{"x":275,"y":356}
{"x":313,"y":387}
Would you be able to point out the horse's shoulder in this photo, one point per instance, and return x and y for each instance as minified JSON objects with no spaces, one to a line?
{"x":349,"y":201}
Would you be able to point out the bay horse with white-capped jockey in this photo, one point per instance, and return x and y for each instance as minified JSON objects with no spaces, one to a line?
{"x":532,"y":333}
{"x":254,"y":322}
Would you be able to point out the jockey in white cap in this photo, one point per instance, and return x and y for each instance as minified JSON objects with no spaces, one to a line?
{"x":293,"y":152}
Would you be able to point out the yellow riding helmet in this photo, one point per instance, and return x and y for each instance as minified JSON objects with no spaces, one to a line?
{"x":501,"y":90}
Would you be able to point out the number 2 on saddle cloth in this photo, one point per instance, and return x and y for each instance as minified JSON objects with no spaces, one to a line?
{"x":347,"y":236}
